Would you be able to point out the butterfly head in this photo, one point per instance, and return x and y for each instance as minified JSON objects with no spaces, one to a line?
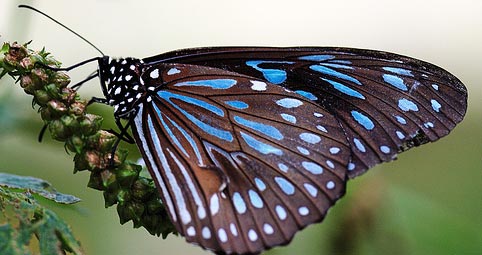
{"x":121,"y":83}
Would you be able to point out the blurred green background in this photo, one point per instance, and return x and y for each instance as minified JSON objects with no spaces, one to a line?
{"x":429,"y":201}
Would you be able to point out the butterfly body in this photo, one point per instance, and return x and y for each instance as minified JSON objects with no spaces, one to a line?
{"x":249,"y":145}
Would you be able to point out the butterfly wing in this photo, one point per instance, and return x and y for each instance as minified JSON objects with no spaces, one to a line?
{"x":242,"y":164}
{"x":386,"y":103}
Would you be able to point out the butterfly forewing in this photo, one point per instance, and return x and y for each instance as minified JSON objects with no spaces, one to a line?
{"x":242,"y":164}
{"x":384,"y":102}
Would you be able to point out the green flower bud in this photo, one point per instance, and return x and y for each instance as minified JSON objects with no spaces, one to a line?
{"x":109,"y":180}
{"x":141,"y":189}
{"x":154,"y":206}
{"x":95,"y":182}
{"x":46,"y":114}
{"x":57,"y":108}
{"x":123,"y":196}
{"x":41,"y":97}
{"x":105,"y":141}
{"x":90,"y":124}
{"x":15,"y":53}
{"x":77,"y":108}
{"x":71,"y":123}
{"x":52,"y":90}
{"x":61,"y":79}
{"x":26,"y":63}
{"x":58,"y":130}
{"x":68,"y":95}
{"x":40,"y":75}
{"x":110,"y":198}
{"x":75,"y":144}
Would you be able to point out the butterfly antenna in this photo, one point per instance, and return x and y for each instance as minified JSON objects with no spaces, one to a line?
{"x":75,"y":33}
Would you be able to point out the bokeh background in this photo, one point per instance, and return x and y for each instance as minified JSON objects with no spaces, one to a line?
{"x":429,"y":201}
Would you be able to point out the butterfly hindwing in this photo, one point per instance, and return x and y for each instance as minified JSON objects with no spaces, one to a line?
{"x":386,"y":103}
{"x":242,"y":164}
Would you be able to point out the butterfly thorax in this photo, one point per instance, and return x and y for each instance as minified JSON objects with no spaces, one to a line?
{"x":122,"y":84}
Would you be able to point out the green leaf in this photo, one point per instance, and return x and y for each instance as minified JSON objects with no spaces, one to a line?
{"x":6,"y":238}
{"x":37,"y":186}
{"x":27,"y":220}
{"x":5,"y":48}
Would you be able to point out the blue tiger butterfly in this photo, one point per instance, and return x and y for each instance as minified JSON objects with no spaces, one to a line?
{"x":248,"y":145}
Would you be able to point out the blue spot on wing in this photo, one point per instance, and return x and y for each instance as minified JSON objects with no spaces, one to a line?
{"x":435,"y":105}
{"x":331,"y":72}
{"x":203,"y":104}
{"x":337,"y":66}
{"x":307,"y":94}
{"x":288,"y":117}
{"x":214,"y":83}
{"x":275,"y":76}
{"x":237,"y":104}
{"x":399,"y":71}
{"x":285,"y":185}
{"x":340,"y":61}
{"x":401,"y":120}
{"x":260,"y":127}
{"x":363,"y":120}
{"x":407,"y":105}
{"x":344,"y":89}
{"x":260,"y":146}
{"x":221,"y":134}
{"x":170,"y":133}
{"x":289,"y":102}
{"x":317,"y":58}
{"x":395,"y":81}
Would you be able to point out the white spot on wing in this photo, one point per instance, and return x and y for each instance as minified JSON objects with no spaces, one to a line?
{"x":252,"y":235}
{"x":281,"y":212}
{"x":334,"y":150}
{"x":283,"y":167}
{"x":385,"y":149}
{"x":233,"y":229}
{"x":223,"y":237}
{"x":191,"y":231}
{"x":310,"y":138}
{"x":330,"y":185}
{"x":303,"y":211}
{"x":239,"y":203}
{"x":154,"y":74}
{"x":173,"y":71}
{"x":311,"y":189}
{"x":312,"y":167}
{"x":289,"y":102}
{"x":268,"y":229}
{"x":206,"y":233}
{"x":214,"y":204}
{"x":258,"y":85}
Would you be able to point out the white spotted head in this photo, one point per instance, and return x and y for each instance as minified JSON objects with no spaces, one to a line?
{"x":121,"y":83}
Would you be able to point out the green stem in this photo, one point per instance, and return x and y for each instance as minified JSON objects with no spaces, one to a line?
{"x":64,"y":114}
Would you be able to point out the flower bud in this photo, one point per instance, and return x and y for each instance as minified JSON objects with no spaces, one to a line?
{"x":41,"y":97}
{"x":57,"y":108}
{"x":75,"y":144}
{"x":58,"y":130}
{"x":62,"y":79}
{"x":90,"y":124}
{"x":77,"y":108}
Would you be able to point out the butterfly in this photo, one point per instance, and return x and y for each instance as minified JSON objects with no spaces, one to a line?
{"x":249,"y":145}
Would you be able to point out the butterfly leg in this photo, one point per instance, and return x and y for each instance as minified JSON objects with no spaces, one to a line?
{"x":90,"y":77}
{"x":123,"y":135}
